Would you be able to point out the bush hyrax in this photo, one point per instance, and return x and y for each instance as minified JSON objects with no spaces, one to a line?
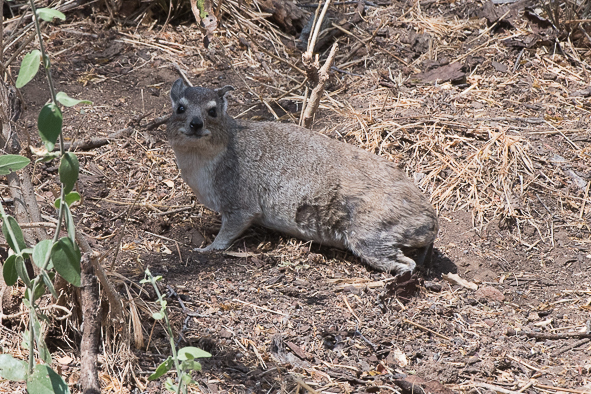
{"x":290,"y":179}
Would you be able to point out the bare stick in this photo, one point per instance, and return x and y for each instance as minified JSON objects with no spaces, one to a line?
{"x":318,"y":91}
{"x":317,"y":26}
{"x":180,"y":71}
{"x":1,"y":31}
{"x":86,"y":144}
{"x":259,"y":307}
{"x":21,"y":187}
{"x":157,"y":122}
{"x":426,"y":329}
{"x":565,"y":335}
{"x":112,"y":295}
{"x":495,"y":388}
{"x":37,"y":224}
{"x":351,"y":309}
{"x":543,"y":386}
{"x":524,"y":363}
{"x":573,"y":346}
{"x":91,"y":331}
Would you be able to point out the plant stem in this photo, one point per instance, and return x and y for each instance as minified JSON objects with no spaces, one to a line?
{"x":60,"y":217}
{"x":169,"y":332}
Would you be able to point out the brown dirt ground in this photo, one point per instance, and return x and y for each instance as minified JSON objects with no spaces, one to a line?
{"x":505,"y":155}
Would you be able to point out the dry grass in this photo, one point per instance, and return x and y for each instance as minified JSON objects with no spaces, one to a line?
{"x":475,"y":147}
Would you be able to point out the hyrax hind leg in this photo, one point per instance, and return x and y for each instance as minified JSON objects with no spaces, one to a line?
{"x":385,"y":257}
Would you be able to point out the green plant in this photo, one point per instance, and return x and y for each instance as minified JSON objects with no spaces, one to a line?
{"x":59,"y":254}
{"x":184,"y":360}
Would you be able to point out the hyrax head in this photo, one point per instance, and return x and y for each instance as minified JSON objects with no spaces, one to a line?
{"x":197,"y":113}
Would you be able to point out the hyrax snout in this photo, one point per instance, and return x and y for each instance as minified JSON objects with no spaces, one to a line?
{"x":290,"y":179}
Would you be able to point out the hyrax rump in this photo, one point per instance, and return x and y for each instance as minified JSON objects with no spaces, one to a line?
{"x":290,"y":179}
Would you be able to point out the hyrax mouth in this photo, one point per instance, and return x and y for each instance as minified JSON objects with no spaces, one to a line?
{"x":196,"y":133}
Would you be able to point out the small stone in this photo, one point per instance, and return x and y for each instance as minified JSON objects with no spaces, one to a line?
{"x":499,"y":66}
{"x":533,"y":316}
{"x":490,"y":293}
{"x":435,"y":287}
{"x":352,"y":289}
{"x":225,"y":333}
{"x":510,"y":332}
{"x":489,"y":322}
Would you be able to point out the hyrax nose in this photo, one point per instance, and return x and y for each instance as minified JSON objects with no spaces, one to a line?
{"x":196,"y":124}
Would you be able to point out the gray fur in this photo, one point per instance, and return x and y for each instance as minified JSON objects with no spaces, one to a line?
{"x":290,"y":179}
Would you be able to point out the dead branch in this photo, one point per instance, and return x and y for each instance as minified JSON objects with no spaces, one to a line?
{"x":426,"y":329}
{"x":112,"y":295}
{"x":566,"y":335}
{"x":86,"y":144}
{"x":91,"y":332}
{"x":495,"y":388}
{"x":157,"y":122}
{"x":21,"y":187}
{"x":318,"y":90}
{"x":573,"y":346}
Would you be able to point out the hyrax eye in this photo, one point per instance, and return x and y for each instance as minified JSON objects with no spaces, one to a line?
{"x":180,"y":109}
{"x":212,"y":112}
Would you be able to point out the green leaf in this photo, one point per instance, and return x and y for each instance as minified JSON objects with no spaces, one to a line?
{"x":49,"y":14}
{"x":68,"y":171}
{"x":170,"y":386}
{"x":49,"y":284}
{"x":26,"y":252}
{"x":9,"y":270}
{"x":186,"y":378}
{"x":18,"y":243}
{"x":40,"y":252}
{"x":12,"y":368}
{"x":70,"y":223}
{"x":48,"y":157}
{"x":191,"y":352}
{"x":44,"y":353}
{"x":43,"y":350}
{"x":201,"y":6}
{"x":25,"y":339}
{"x":39,"y":290}
{"x":45,"y":381}
{"x":191,"y":365}
{"x":68,"y":101}
{"x":49,"y":123}
{"x":157,"y":315}
{"x":162,"y":369}
{"x":29,"y":68}
{"x":66,"y":260}
{"x":21,"y":269}
{"x":10,"y":163}
{"x":70,"y":198}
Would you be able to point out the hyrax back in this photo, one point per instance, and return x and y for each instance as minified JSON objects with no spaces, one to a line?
{"x":296,"y":181}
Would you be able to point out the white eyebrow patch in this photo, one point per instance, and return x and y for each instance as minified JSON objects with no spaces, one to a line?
{"x":211,"y":104}
{"x":183,"y":101}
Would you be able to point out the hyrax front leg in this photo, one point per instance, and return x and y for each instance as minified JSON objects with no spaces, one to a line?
{"x":233,"y":225}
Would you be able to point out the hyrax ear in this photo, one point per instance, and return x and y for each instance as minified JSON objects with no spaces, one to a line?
{"x":222,"y":92}
{"x":177,"y":90}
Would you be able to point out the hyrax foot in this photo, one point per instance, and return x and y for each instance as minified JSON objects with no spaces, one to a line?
{"x":398,"y":263}
{"x":385,"y":258}
{"x":208,"y":248}
{"x":232,"y":228}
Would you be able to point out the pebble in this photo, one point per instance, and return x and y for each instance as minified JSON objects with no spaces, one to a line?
{"x":490,"y":293}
